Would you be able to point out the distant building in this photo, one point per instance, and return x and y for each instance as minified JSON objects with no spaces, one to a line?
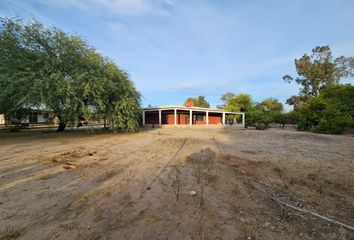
{"x":34,"y":117}
{"x":39,"y":117}
{"x":181,"y":115}
{"x":2,"y":119}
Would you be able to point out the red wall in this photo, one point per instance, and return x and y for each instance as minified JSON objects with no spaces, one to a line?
{"x":215,"y":119}
{"x":170,"y":118}
{"x":182,"y":118}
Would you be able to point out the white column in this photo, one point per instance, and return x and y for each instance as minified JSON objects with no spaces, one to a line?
{"x":223,"y":118}
{"x":243,"y":120}
{"x":190,"y":117}
{"x":159,"y":117}
{"x":207,"y":118}
{"x":143,"y":117}
{"x":175,"y":116}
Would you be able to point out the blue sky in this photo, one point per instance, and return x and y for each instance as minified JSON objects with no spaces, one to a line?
{"x":174,"y":49}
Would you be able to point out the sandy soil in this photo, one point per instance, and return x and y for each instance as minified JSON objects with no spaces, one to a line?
{"x":84,"y":185}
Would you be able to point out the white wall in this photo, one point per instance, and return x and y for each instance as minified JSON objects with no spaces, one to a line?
{"x":41,"y":119}
{"x":2,"y":119}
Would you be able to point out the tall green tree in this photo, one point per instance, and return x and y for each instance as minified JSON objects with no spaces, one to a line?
{"x":239,"y":103}
{"x":242,"y":103}
{"x":272,"y":110}
{"x":320,"y":70}
{"x":46,"y":67}
{"x":323,"y":105}
{"x":199,"y":101}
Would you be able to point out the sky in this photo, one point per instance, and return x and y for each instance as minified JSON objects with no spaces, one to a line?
{"x":174,"y":49}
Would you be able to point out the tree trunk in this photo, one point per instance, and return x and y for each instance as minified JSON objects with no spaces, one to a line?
{"x":62,"y":125}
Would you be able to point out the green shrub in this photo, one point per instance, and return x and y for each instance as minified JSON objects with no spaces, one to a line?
{"x":328,"y":113}
{"x":333,"y":121}
{"x":257,"y":118}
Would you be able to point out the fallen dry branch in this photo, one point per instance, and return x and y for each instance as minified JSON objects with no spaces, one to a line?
{"x":281,"y":203}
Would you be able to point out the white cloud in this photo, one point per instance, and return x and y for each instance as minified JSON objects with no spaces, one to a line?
{"x":122,"y":7}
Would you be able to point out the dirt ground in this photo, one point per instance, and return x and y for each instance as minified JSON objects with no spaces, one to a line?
{"x":91,"y":185}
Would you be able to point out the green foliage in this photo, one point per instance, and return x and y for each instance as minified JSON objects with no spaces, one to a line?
{"x":43,"y":67}
{"x":331,"y":112}
{"x":333,"y":120}
{"x":271,"y":109}
{"x":238,"y":103}
{"x":270,"y":105}
{"x":257,"y":118}
{"x":280,"y":118}
{"x":284,"y":118}
{"x":291,"y":117}
{"x":323,"y":105}
{"x":319,"y":70}
{"x":341,"y":96}
{"x":296,"y":101}
{"x":257,"y":114}
{"x":199,"y":101}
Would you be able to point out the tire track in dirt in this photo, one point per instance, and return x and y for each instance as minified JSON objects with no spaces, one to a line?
{"x":217,"y":146}
{"x":92,"y":193}
{"x":167,"y":164}
{"x":155,"y":196}
{"x":124,"y":189}
{"x":103,"y":169}
{"x":143,"y":172}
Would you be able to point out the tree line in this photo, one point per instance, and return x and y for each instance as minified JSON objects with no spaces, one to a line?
{"x":46,"y":68}
{"x":258,"y":114}
{"x":323,"y":105}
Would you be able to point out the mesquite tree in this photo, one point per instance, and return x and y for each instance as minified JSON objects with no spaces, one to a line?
{"x":46,"y":67}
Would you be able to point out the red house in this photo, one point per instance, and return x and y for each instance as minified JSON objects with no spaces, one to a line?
{"x":181,"y":115}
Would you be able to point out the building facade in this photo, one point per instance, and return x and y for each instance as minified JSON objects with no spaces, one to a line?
{"x":34,"y":117}
{"x":181,"y":115}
